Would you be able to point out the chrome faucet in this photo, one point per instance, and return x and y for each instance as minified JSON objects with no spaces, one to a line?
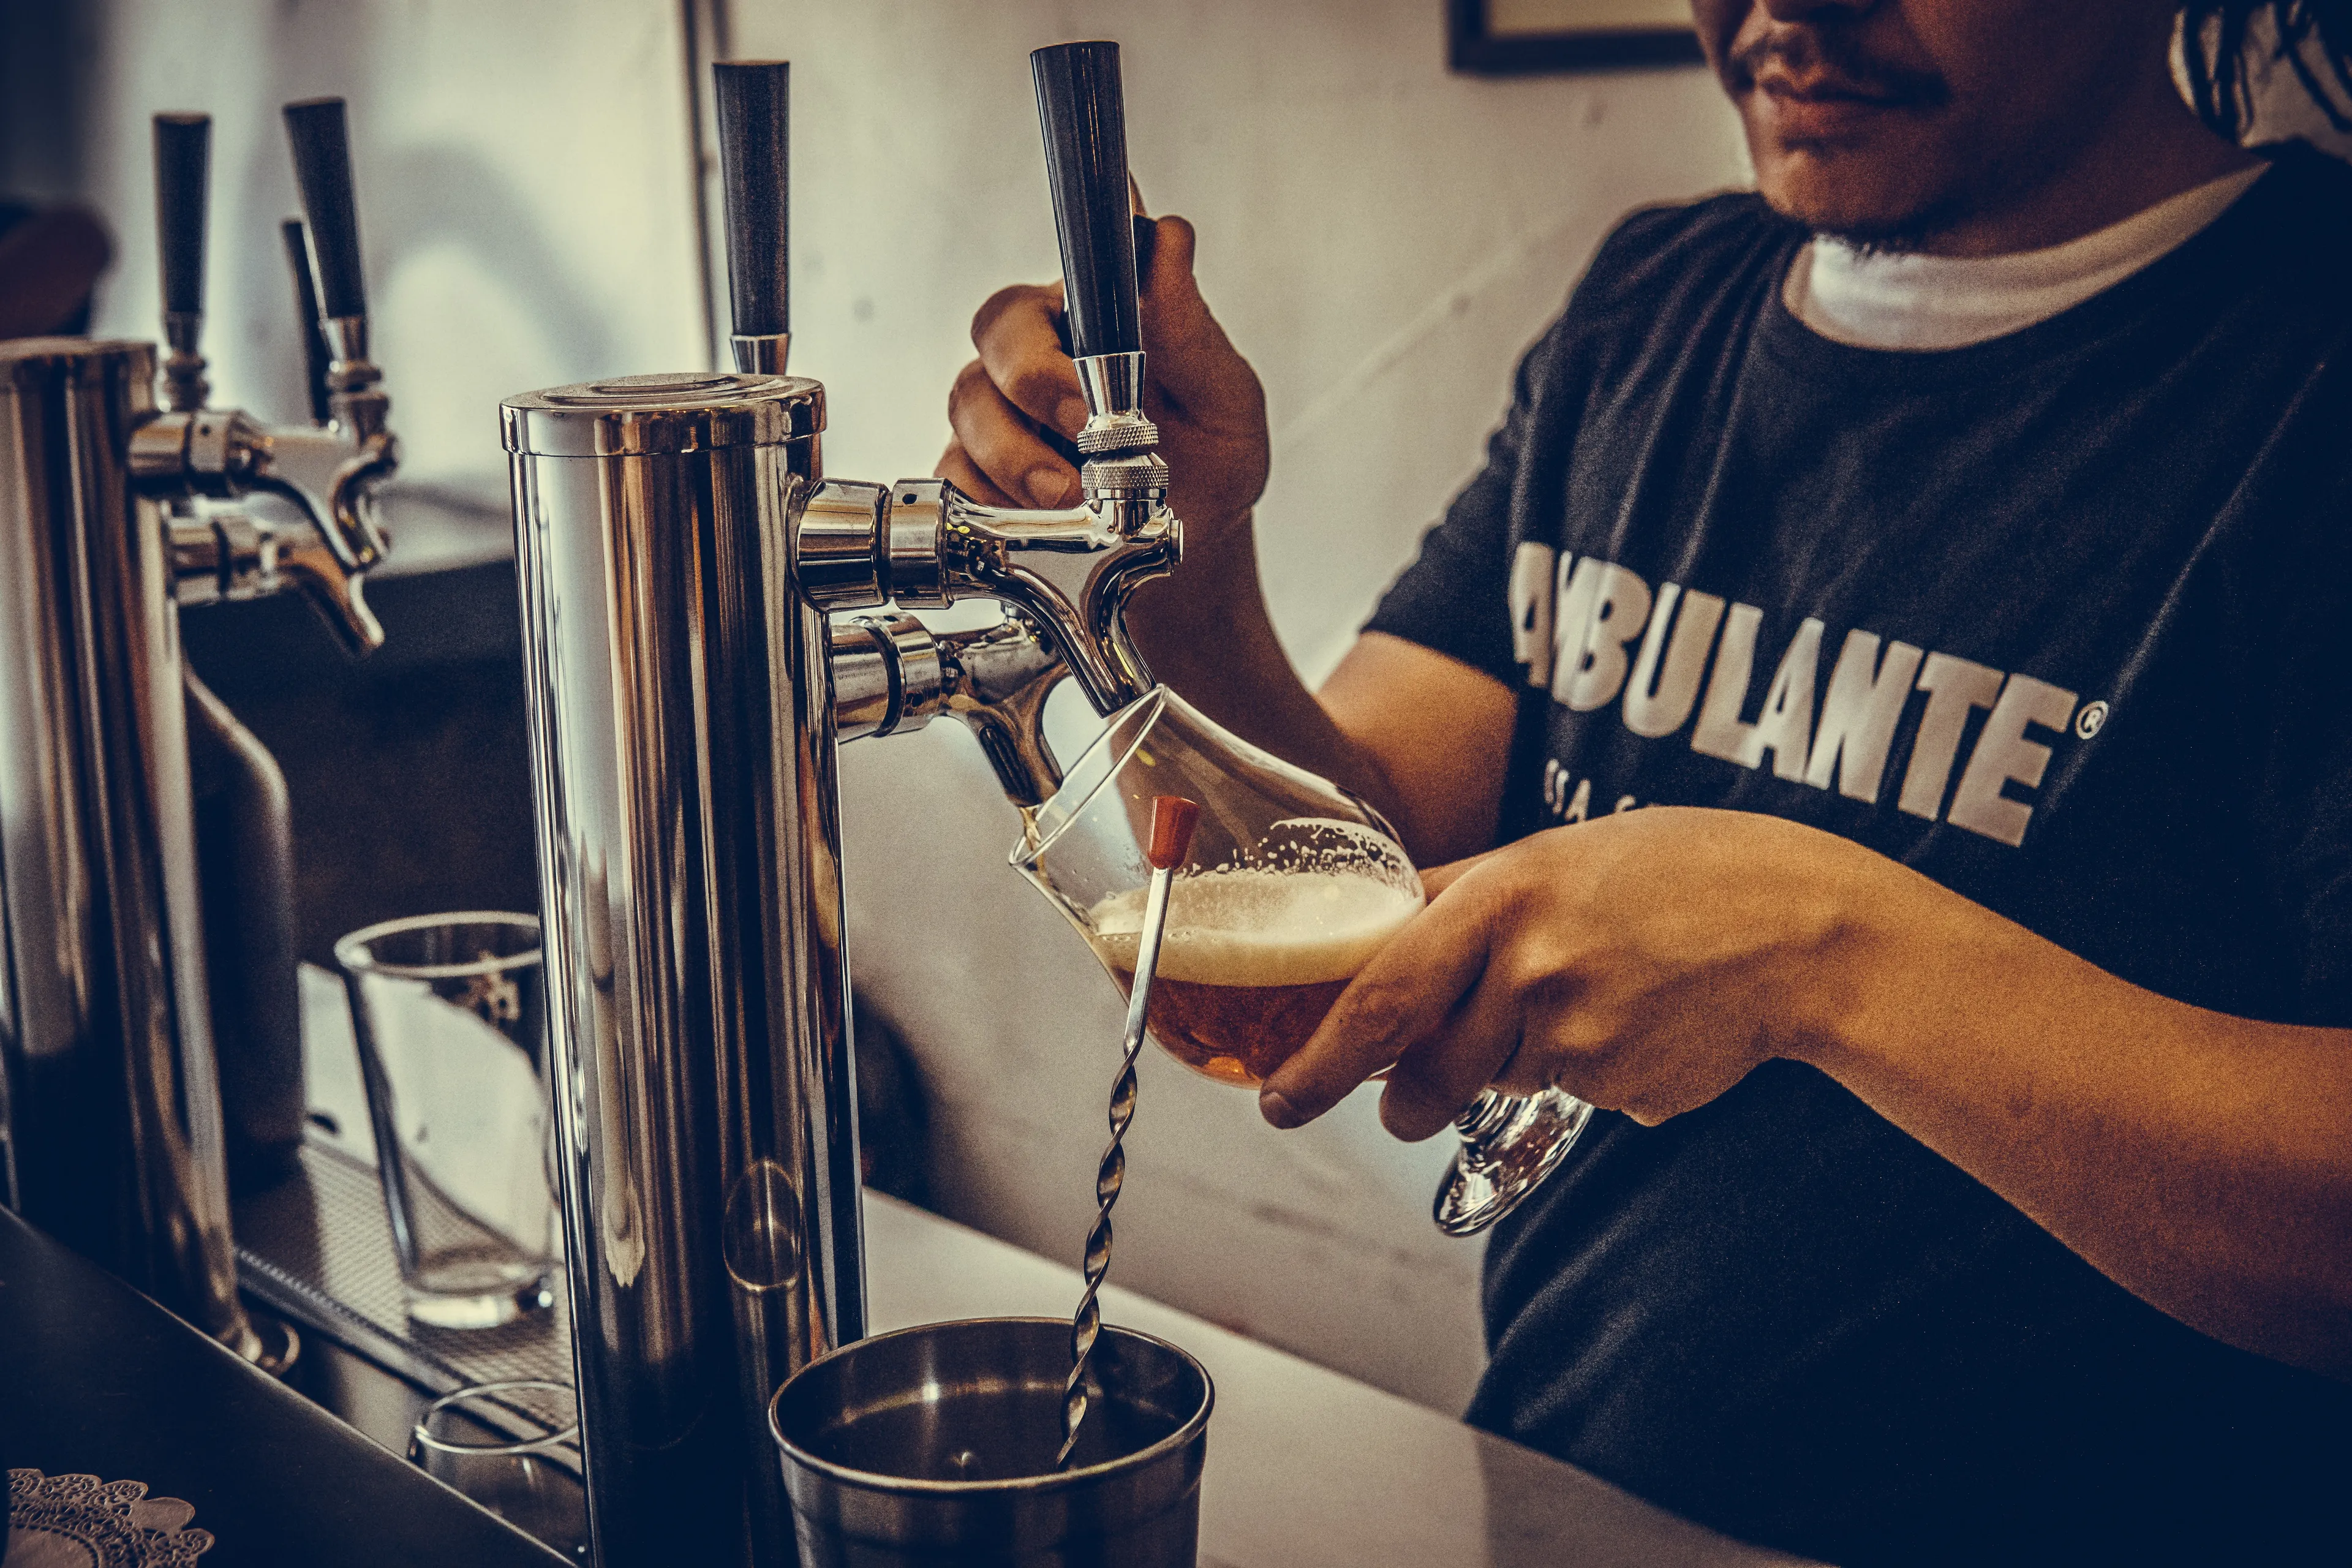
{"x":113,"y":516}
{"x":1063,"y":576}
{"x":683,"y":561}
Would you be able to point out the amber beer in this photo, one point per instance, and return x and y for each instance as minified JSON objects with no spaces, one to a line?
{"x":1251,"y":959}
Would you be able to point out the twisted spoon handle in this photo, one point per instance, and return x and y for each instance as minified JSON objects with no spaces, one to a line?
{"x":1172,"y":819}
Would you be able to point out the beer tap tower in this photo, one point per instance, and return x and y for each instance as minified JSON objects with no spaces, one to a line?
{"x":112,"y":515}
{"x":682,"y":559}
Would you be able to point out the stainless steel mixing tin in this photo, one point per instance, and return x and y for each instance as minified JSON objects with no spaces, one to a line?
{"x":935,"y":1445}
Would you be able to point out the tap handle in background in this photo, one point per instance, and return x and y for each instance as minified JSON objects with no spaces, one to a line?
{"x":340,"y":505}
{"x":316,"y":357}
{"x":184,"y":145}
{"x":754,"y":158}
{"x":322,"y":169}
{"x":1084,"y":121}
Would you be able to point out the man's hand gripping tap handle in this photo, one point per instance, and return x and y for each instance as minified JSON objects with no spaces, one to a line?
{"x":1064,"y":575}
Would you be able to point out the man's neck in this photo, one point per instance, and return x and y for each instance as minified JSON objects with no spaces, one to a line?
{"x":2152,"y":150}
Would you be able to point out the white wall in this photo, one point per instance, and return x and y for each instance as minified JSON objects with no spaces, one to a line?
{"x":1381,"y":238}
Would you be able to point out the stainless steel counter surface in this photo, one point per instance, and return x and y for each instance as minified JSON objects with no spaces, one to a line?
{"x":1307,"y":1467}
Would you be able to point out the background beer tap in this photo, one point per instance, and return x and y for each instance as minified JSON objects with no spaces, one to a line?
{"x":316,"y":357}
{"x":184,"y":145}
{"x":325,"y":470}
{"x":148,"y":1044}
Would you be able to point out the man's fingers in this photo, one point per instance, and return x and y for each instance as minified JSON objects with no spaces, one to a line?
{"x":1437,"y":878}
{"x":1169,"y":278}
{"x":956,"y":467}
{"x":1004,"y":445}
{"x":1436,"y":1078}
{"x":1176,"y":326}
{"x":1193,"y":364}
{"x":1018,"y":338}
{"x":1402,"y":996}
{"x":1018,"y":334}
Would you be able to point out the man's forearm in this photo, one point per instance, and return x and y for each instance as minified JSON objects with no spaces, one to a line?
{"x":2203,"y":1162}
{"x":1205,"y":632}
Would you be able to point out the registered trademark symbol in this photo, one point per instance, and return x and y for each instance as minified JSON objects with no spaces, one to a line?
{"x":2091,"y":720}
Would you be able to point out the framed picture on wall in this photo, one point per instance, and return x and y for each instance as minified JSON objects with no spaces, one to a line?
{"x":1516,"y":38}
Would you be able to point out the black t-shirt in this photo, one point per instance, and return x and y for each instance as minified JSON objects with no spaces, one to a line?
{"x":2063,"y":620}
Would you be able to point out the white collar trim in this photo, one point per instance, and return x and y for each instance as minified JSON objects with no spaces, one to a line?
{"x":1900,"y":301}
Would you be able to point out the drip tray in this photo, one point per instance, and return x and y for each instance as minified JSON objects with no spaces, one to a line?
{"x":317,"y":1249}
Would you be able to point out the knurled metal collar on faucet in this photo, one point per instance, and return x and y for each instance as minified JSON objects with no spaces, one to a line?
{"x":1125,"y":476}
{"x":1113,"y":385}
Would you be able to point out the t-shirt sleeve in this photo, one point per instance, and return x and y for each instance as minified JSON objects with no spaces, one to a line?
{"x":2321,"y":865}
{"x":2311,"y":733}
{"x":1454,"y":598}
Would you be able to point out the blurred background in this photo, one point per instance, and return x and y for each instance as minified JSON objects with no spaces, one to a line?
{"x":1379,"y":235}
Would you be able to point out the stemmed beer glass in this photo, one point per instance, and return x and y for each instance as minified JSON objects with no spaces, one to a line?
{"x":1294,"y":884}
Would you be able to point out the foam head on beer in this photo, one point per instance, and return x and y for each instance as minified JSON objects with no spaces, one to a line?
{"x":1253,"y":956}
{"x":1254,"y":927}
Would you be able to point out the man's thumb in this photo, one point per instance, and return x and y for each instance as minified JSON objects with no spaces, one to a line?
{"x":1182,"y":337}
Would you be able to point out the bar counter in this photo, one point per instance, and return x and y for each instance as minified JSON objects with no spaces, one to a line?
{"x":1307,"y":1467}
{"x":97,"y":1379}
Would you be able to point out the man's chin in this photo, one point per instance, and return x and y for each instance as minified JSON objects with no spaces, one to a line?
{"x":1852,"y":198}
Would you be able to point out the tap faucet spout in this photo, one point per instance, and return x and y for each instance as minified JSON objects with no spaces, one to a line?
{"x":997,"y":682}
{"x":1071,"y":573}
{"x":892,"y":676}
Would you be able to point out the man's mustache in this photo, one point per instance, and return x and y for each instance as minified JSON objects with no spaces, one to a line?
{"x":1830,"y":54}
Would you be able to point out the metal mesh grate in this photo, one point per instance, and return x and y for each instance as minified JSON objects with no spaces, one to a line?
{"x":318,"y":1248}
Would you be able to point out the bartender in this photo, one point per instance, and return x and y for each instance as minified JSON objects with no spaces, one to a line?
{"x":1899,"y":641}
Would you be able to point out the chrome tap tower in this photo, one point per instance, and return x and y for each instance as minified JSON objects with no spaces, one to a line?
{"x":112,"y":515}
{"x":683,"y":559}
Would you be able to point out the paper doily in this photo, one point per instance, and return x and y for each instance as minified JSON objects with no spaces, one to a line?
{"x":80,"y":1521}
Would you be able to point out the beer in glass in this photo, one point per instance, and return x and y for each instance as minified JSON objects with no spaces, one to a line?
{"x":1291,"y":886}
{"x":1252,"y":959}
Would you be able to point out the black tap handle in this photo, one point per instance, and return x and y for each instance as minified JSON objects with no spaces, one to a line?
{"x":754,"y":162}
{"x":184,"y":150}
{"x":1085,"y":121}
{"x":322,"y":170}
{"x":316,"y":355}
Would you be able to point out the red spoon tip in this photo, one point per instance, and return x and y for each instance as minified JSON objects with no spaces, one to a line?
{"x":1172,"y":820}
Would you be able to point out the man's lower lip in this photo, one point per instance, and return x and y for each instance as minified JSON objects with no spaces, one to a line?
{"x":1799,"y":118}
